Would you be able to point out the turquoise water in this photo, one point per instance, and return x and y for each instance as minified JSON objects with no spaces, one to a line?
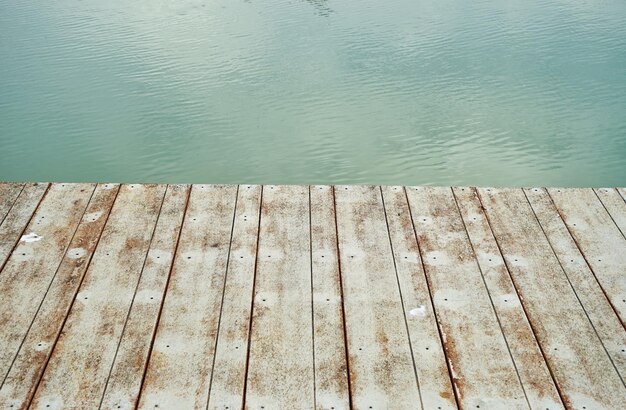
{"x":443,"y":92}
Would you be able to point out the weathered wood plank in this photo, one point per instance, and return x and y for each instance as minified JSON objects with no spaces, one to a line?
{"x":428,"y":355}
{"x":597,"y":307}
{"x":599,"y":240}
{"x":531,"y":366}
{"x":8,"y":194}
{"x":33,"y":264}
{"x":526,"y":311}
{"x":615,"y":206}
{"x":229,"y":369}
{"x":19,"y":385}
{"x":581,"y":368}
{"x":280,"y":368}
{"x":77,"y":371}
{"x":179,"y":367}
{"x":483,"y":371}
{"x":122,"y":389}
{"x":331,"y":373}
{"x":18,"y":217}
{"x":382,"y":373}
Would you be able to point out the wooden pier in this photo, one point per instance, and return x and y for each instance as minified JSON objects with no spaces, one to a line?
{"x":300,"y":297}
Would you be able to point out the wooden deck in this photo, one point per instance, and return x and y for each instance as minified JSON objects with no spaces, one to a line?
{"x":296,"y":297}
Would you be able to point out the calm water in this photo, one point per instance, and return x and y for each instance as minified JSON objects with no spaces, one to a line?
{"x":495,"y":92}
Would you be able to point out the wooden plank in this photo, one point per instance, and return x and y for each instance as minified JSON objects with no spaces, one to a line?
{"x":9,"y":191}
{"x":482,"y":369}
{"x":382,"y":373}
{"x":597,"y":307}
{"x":622,"y":192}
{"x":19,"y":385}
{"x":428,"y":354}
{"x":18,"y":217}
{"x":599,"y":240}
{"x":179,"y":367}
{"x":529,"y":362}
{"x":229,"y":369}
{"x":8,"y":194}
{"x":82,"y":357}
{"x":581,"y":368}
{"x":615,"y":205}
{"x":33,"y":264}
{"x":280,"y":368}
{"x":122,"y":389}
{"x":331,"y":373}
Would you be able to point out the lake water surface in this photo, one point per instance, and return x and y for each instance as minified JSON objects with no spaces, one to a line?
{"x":487,"y":92}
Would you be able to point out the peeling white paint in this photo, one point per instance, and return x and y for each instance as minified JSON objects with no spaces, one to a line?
{"x":31,"y":237}
{"x":418,"y":311}
{"x":455,"y":375}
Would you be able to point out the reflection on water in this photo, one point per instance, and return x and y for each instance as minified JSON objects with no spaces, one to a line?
{"x":312,"y":91}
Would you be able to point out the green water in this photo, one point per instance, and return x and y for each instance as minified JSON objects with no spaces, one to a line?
{"x":515,"y":92}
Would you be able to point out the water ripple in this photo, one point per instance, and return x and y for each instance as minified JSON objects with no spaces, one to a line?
{"x":314,"y":91}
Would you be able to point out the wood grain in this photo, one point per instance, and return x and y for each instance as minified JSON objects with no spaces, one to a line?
{"x":382,"y":372}
{"x":594,"y":302}
{"x":17,"y":218}
{"x":78,"y":368}
{"x":598,"y":238}
{"x":270,"y":297}
{"x":534,"y":374}
{"x":581,"y":367}
{"x":428,"y":354}
{"x":179,"y":367}
{"x":331,"y":367}
{"x":124,"y":382}
{"x":8,"y":194}
{"x":32,"y":266}
{"x":615,"y":205}
{"x":229,"y":369}
{"x":281,"y":369}
{"x":483,"y":371}
{"x":19,"y":385}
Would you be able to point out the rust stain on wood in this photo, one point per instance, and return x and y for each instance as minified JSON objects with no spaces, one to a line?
{"x":430,"y":308}
{"x":33,"y":265}
{"x":101,"y":304}
{"x":584,"y":374}
{"x":467,"y":321}
{"x":179,"y":367}
{"x":8,"y":195}
{"x":17,"y":217}
{"x":525,"y":352}
{"x":124,"y":383}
